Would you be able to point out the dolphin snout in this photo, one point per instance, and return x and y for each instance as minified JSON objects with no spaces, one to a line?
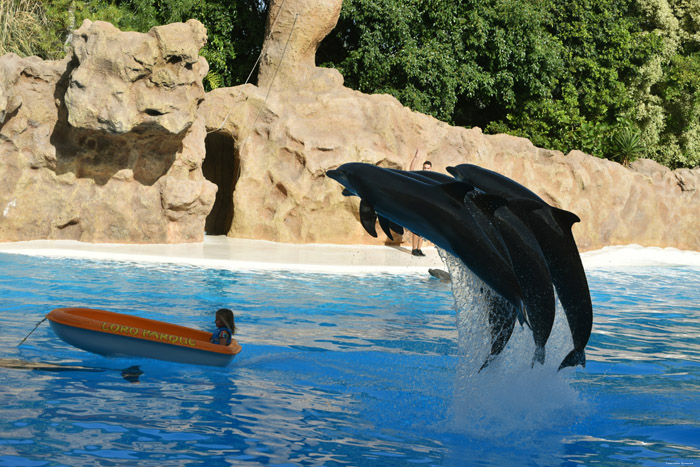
{"x":333,"y":173}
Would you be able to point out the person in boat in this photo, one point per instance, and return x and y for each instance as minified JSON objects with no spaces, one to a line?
{"x":225,"y":327}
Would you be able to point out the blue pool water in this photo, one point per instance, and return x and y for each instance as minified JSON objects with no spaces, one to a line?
{"x":347,"y":370}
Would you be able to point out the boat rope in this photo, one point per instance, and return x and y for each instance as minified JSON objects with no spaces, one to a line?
{"x":284,"y":51}
{"x":272,"y":27}
{"x":272,"y":81}
{"x":255,"y":65}
{"x":30,"y":332}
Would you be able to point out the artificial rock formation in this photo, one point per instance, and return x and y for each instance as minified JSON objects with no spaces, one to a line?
{"x":301,"y":122}
{"x":106,"y":145}
{"x":119,"y":143}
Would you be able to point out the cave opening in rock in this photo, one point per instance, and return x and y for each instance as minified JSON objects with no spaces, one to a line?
{"x":220,"y":166}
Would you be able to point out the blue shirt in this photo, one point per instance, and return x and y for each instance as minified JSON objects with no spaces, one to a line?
{"x":221,"y":333}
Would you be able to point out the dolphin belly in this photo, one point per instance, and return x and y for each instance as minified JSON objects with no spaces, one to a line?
{"x":570,"y":282}
{"x":533,"y":276}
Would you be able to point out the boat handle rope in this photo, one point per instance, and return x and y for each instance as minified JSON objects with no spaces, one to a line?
{"x":30,"y":332}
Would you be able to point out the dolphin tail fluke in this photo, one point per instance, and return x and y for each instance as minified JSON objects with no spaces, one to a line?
{"x":538,"y":357}
{"x":575,"y":357}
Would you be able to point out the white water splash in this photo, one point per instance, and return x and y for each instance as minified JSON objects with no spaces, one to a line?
{"x":509,"y":397}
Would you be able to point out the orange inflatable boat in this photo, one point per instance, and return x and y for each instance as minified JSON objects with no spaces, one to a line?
{"x":116,"y":334}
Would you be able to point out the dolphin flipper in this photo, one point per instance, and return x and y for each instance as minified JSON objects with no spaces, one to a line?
{"x":502,"y":321}
{"x":387,"y":226}
{"x":368,"y":218}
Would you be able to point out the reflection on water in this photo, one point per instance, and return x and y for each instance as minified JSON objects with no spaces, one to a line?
{"x":347,"y":370}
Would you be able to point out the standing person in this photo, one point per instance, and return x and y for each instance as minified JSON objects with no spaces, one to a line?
{"x":225,"y":327}
{"x":416,"y":240}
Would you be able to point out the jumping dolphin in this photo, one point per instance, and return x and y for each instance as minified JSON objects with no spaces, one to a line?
{"x":552,"y":229}
{"x":435,"y":212}
{"x":529,"y":265}
{"x":533,"y":275}
{"x":474,"y":202}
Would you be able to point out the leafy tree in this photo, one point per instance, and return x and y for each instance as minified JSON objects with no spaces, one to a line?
{"x":595,"y":75}
{"x":407,"y":49}
{"x":568,"y":74}
{"x":235,"y":29}
{"x":679,"y":91}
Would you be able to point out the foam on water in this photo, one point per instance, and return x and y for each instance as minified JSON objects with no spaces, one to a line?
{"x":509,"y":399}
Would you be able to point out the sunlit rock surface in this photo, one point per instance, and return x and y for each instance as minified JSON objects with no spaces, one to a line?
{"x":288,"y":131}
{"x":119,"y":143}
{"x":107,"y":144}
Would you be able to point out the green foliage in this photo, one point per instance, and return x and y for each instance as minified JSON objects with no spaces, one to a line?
{"x":23,"y":25}
{"x":235,"y":29}
{"x":619,"y":79}
{"x":563,"y":73}
{"x":626,"y":144}
{"x":213,"y":80}
{"x":680,"y":93}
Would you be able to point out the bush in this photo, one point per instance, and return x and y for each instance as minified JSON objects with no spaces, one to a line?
{"x":22,"y":26}
{"x":626,"y":143}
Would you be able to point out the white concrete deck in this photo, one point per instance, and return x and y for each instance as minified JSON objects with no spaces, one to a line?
{"x":237,"y":254}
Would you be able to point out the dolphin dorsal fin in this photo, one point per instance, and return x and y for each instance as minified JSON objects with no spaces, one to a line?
{"x":457,"y":190}
{"x":524,"y":205}
{"x":565,"y":219}
{"x":368,"y":218}
{"x":488,"y":203}
{"x":387,"y":226}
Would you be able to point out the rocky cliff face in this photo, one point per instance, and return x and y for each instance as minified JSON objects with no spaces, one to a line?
{"x":296,"y":125}
{"x":106,"y":145}
{"x":120,"y":144}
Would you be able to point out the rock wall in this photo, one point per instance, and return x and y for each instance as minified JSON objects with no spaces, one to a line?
{"x":107,"y":144}
{"x":113,"y":144}
{"x":301,"y":122}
